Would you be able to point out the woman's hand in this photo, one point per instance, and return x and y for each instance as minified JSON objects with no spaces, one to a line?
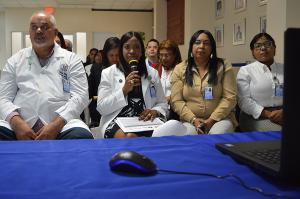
{"x":148,"y":114}
{"x":276,"y":116}
{"x":199,"y":125}
{"x":208,"y":124}
{"x":132,"y":80}
{"x":203,"y":126}
{"x":168,"y":98}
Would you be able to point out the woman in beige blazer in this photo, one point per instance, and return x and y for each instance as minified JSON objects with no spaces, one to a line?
{"x":203,"y":91}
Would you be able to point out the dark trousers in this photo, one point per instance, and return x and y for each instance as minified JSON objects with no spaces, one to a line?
{"x":73,"y":133}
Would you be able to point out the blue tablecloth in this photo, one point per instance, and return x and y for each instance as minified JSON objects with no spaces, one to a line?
{"x":80,"y":169}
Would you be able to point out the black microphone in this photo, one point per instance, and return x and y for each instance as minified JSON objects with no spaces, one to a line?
{"x":133,"y":64}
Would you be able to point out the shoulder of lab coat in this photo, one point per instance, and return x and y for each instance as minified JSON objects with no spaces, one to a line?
{"x":110,"y":93}
{"x":159,"y":102}
{"x":8,"y":83}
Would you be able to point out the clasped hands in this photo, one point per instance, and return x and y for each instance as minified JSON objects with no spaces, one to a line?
{"x":47,"y":132}
{"x":275,"y":116}
{"x":203,"y":126}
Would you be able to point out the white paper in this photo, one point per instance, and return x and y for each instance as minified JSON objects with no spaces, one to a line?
{"x":133,"y":124}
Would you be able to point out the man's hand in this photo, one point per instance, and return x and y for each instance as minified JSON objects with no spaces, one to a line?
{"x":22,"y":129}
{"x":50,"y":131}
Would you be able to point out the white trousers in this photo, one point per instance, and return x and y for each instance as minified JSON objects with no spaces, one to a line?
{"x":174,"y":127}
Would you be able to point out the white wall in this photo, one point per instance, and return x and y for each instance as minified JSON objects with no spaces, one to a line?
{"x":276,"y":24}
{"x":77,"y":20}
{"x":160,"y":20}
{"x":200,"y":14}
{"x":252,"y":14}
{"x":2,"y":39}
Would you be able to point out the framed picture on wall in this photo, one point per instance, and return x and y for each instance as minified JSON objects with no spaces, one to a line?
{"x":262,"y":2}
{"x":219,"y":35}
{"x":240,"y":5}
{"x":239,"y":32}
{"x":263,"y":24}
{"x":219,"y":7}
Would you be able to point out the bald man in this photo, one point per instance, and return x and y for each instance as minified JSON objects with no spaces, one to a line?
{"x":43,"y":89}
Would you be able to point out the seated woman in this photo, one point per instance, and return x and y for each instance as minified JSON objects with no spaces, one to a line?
{"x":110,"y":55}
{"x":203,"y":89}
{"x":169,"y":56}
{"x":260,"y":88}
{"x":124,"y":92}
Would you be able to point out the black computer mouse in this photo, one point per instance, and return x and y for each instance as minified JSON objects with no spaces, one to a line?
{"x":132,"y":162}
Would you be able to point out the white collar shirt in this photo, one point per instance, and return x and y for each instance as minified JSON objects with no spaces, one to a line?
{"x":166,"y":81}
{"x":256,"y":87}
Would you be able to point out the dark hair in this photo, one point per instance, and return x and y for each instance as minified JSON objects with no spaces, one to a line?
{"x":142,"y":65}
{"x":93,"y":49}
{"x":260,"y":35}
{"x":154,"y":40}
{"x":110,"y":43}
{"x":62,"y":40}
{"x":172,"y":46}
{"x":213,"y":61}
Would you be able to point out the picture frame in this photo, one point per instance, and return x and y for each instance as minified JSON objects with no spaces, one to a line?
{"x":219,"y":35}
{"x":262,"y":2}
{"x":240,"y":5}
{"x":219,"y":8}
{"x":239,"y":32}
{"x":263,"y":24}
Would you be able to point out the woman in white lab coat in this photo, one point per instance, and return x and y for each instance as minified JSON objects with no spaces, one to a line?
{"x":124,"y":92}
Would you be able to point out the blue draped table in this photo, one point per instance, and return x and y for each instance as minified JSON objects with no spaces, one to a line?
{"x":79,"y":169}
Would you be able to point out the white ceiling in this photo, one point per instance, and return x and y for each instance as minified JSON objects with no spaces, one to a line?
{"x":97,"y":4}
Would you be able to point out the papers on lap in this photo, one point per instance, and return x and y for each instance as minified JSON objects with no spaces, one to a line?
{"x":133,"y":124}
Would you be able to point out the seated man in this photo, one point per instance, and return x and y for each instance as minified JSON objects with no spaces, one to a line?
{"x":43,"y":89}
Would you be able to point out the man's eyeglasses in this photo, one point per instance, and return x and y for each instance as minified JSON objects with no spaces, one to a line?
{"x":267,"y":44}
{"x":43,"y":28}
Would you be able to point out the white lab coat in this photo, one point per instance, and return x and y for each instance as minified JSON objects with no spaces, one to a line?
{"x":111,"y":99}
{"x":38,"y":92}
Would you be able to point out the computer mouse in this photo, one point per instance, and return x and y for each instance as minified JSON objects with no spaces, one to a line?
{"x":132,"y":162}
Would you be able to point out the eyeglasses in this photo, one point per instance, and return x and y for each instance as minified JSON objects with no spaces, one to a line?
{"x":267,"y":44}
{"x":43,"y":28}
{"x":205,"y":43}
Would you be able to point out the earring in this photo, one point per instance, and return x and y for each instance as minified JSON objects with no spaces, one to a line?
{"x":211,"y":56}
{"x":191,"y":54}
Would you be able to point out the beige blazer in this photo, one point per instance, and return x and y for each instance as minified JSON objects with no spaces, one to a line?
{"x":189,"y":102}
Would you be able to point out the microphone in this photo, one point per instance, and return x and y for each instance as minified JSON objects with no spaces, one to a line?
{"x":133,"y":64}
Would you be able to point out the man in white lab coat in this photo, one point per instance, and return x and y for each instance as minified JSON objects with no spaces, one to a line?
{"x":43,"y":89}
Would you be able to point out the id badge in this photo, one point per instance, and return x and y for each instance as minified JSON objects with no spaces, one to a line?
{"x":208,"y":93}
{"x":65,"y":78}
{"x":37,"y":126}
{"x":152,"y":92}
{"x":66,"y":85}
{"x":279,"y":90}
